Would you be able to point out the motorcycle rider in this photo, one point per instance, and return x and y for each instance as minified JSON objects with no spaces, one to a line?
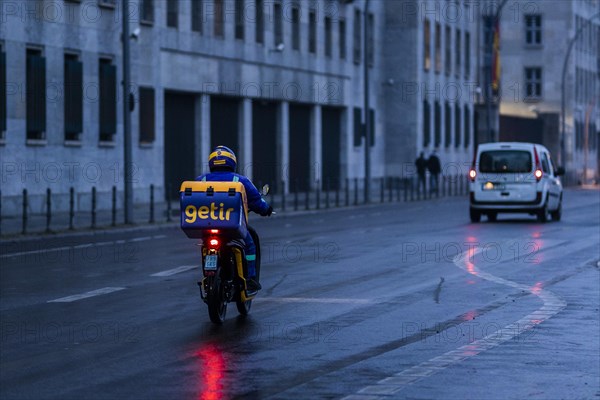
{"x":222,"y":164}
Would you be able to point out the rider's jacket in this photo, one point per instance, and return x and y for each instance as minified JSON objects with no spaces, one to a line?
{"x":255,"y":200}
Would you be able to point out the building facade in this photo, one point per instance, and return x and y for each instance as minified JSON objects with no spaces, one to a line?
{"x":535,"y":37}
{"x":281,"y":82}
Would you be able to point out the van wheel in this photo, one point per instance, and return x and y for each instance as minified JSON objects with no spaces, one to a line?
{"x":543,"y":214}
{"x":492,"y":217}
{"x":475,"y":215}
{"x":556,"y":215}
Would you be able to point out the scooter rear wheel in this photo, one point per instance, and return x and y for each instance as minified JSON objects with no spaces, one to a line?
{"x":217,"y":306}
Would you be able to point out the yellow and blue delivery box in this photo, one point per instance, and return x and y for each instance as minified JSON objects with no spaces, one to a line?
{"x":213,"y":205}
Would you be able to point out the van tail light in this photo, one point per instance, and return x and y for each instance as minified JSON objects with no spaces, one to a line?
{"x":538,"y":168}
{"x":472,"y":174}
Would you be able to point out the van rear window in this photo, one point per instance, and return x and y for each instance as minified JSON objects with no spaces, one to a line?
{"x":505,"y":161}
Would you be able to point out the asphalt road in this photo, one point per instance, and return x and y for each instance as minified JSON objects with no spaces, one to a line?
{"x":386,"y":301}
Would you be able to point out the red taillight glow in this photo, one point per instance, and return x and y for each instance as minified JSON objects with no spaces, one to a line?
{"x":213,"y":242}
{"x":214,"y":231}
{"x":472,"y":174}
{"x":538,"y":168}
{"x":538,"y":174}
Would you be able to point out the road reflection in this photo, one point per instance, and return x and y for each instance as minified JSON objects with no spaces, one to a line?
{"x":213,"y":372}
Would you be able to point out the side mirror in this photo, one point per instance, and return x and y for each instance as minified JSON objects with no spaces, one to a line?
{"x":559,"y":171}
{"x":265,"y":190}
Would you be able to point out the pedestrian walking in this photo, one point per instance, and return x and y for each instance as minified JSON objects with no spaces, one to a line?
{"x":435,"y":168}
{"x":421,"y":165}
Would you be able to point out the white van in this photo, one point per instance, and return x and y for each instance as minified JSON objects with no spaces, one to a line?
{"x":514,"y":178}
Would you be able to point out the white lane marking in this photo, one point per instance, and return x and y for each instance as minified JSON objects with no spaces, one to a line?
{"x":174,"y":271}
{"x":81,"y":246}
{"x":93,"y":293}
{"x":395,"y":383}
{"x":314,"y":300}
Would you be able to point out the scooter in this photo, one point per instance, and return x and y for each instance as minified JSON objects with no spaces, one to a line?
{"x":217,"y":214}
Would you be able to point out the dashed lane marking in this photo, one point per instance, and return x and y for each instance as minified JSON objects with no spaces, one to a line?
{"x":86,"y":295}
{"x":174,"y":271}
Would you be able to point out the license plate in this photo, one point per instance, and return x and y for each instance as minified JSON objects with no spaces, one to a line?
{"x":210,"y":263}
{"x":493,"y":186}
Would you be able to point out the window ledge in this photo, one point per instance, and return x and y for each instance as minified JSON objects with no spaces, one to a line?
{"x":534,"y":46}
{"x":105,"y":4}
{"x":146,"y":145}
{"x":107,"y":144}
{"x":146,"y":22}
{"x":36,"y":142}
{"x":533,"y":99}
{"x":73,"y":143}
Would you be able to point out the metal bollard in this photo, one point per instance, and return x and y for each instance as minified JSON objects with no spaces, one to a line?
{"x":282,"y":195}
{"x":382,"y":190}
{"x":307,"y":199}
{"x":390,"y":183}
{"x":355,"y":191}
{"x":347,"y":189}
{"x":71,"y":208}
{"x":168,"y":202}
{"x":93,"y":207}
{"x":409,"y":182}
{"x":318,"y":194}
{"x":151,"y":204}
{"x":114,"y":206}
{"x":25,"y":206}
{"x":296,"y":196}
{"x":48,"y":209}
{"x":337,"y":193}
{"x":405,"y":188}
{"x":327,"y":193}
{"x":444,"y":180}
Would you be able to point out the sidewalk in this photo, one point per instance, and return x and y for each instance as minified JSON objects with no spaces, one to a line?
{"x":12,"y":227}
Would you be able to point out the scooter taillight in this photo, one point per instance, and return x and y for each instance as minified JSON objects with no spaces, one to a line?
{"x":213,"y":243}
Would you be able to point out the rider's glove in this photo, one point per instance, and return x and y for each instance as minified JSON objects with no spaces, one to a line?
{"x":268,"y":212}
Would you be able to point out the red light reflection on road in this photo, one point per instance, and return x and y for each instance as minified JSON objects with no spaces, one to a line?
{"x":537,"y":288}
{"x":469,"y":261}
{"x":213,"y":367}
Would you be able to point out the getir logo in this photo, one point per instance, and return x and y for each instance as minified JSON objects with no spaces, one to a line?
{"x":205,"y":212}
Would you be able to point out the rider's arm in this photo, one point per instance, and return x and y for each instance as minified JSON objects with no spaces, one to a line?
{"x":255,"y":201}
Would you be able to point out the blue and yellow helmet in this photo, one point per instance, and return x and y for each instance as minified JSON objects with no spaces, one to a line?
{"x":222,"y":158}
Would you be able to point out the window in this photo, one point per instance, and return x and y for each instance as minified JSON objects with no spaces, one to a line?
{"x":533,"y":83}
{"x":357,"y":36}
{"x":146,"y":115}
{"x":36,"y":95}
{"x":342,"y":39}
{"x":426,"y":45}
{"x":147,"y":11}
{"x":458,"y":51}
{"x":295,"y":28}
{"x":533,"y":29}
{"x":219,"y":18}
{"x":457,"y":131}
{"x":2,"y":93}
{"x":511,"y":161}
{"x":545,"y":163}
{"x":467,"y":114}
{"x":172,"y":13}
{"x":438,"y":48}
{"x":426,"y":123}
{"x":260,"y":21}
{"x":278,"y":23}
{"x":467,"y":54}
{"x":358,"y":127}
{"x":108,"y":100}
{"x":328,"y":38}
{"x":312,"y":31}
{"x":107,"y":3}
{"x":448,"y":48}
{"x":437,"y":121}
{"x":197,"y":15}
{"x":371,"y":41}
{"x":73,"y":90}
{"x":447,"y":125}
{"x":239,"y":19}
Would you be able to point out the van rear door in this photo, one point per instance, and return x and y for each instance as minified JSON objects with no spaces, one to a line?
{"x":505,"y":176}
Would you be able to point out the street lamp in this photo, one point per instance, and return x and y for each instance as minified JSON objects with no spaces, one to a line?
{"x":367,"y":129}
{"x":127,"y":168}
{"x":562,"y":160}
